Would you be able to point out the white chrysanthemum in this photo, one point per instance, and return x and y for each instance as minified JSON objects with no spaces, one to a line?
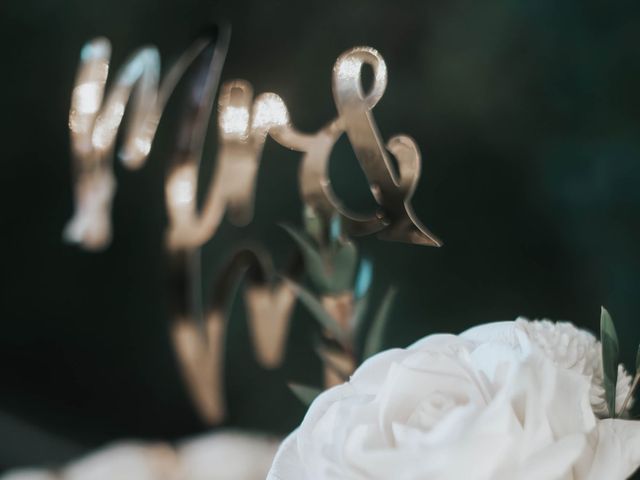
{"x":577,"y":350}
{"x":568,"y":347}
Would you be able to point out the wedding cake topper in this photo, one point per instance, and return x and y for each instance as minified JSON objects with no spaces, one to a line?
{"x":243,"y":124}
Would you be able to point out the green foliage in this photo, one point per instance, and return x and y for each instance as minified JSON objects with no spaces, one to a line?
{"x":331,"y":262}
{"x":610,"y":359}
{"x":313,"y":262}
{"x":359,"y":309}
{"x":313,"y":224}
{"x":375,"y":337}
{"x":345,"y":262}
{"x":304,"y":393}
{"x":331,"y":270}
{"x":318,"y":311}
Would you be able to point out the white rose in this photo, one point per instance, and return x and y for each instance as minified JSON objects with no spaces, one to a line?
{"x":493,"y":403}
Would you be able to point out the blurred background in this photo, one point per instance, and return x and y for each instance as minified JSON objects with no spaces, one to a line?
{"x":528,"y":117}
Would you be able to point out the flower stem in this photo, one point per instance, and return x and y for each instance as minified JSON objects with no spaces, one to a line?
{"x":634,"y":385}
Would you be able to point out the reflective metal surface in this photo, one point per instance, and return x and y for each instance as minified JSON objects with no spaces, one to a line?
{"x":243,"y":123}
{"x":392,"y":190}
{"x":269,"y":302}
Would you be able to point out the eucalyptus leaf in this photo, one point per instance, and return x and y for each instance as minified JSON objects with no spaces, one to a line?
{"x":313,"y":262}
{"x":375,"y":338}
{"x":345,"y":262}
{"x":610,"y":359}
{"x":359,"y":309}
{"x":318,"y":311}
{"x":305,"y":393}
{"x":313,"y":224}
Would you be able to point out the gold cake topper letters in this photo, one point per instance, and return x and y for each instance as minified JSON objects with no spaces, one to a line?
{"x":243,"y":125}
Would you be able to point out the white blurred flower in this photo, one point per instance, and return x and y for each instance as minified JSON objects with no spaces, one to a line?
{"x":227,"y":456}
{"x":30,"y":474}
{"x":125,"y":461}
{"x":504,"y":401}
{"x":230,"y":455}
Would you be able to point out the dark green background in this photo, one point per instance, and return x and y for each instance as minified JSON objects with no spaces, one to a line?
{"x":528,"y":116}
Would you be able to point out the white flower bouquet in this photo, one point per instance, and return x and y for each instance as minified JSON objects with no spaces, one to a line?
{"x":502,"y":401}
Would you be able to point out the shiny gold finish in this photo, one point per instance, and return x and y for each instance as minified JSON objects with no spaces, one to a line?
{"x":201,"y":353}
{"x":232,"y":185}
{"x":243,"y":124}
{"x":200,"y":348}
{"x":269,"y":309}
{"x":338,"y":367}
{"x":94,"y":122}
{"x":393,"y":191}
{"x":339,"y":364}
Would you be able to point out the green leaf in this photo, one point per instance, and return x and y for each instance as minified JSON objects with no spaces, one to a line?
{"x":305,"y":393}
{"x":638,"y":360}
{"x":313,"y":262}
{"x":359,"y":310}
{"x":318,"y":311}
{"x":610,"y":359}
{"x":345,"y":262}
{"x":375,"y":337}
{"x":330,"y":270}
{"x":313,"y":224}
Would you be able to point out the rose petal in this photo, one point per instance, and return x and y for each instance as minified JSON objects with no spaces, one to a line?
{"x":614,"y":451}
{"x":287,"y":464}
